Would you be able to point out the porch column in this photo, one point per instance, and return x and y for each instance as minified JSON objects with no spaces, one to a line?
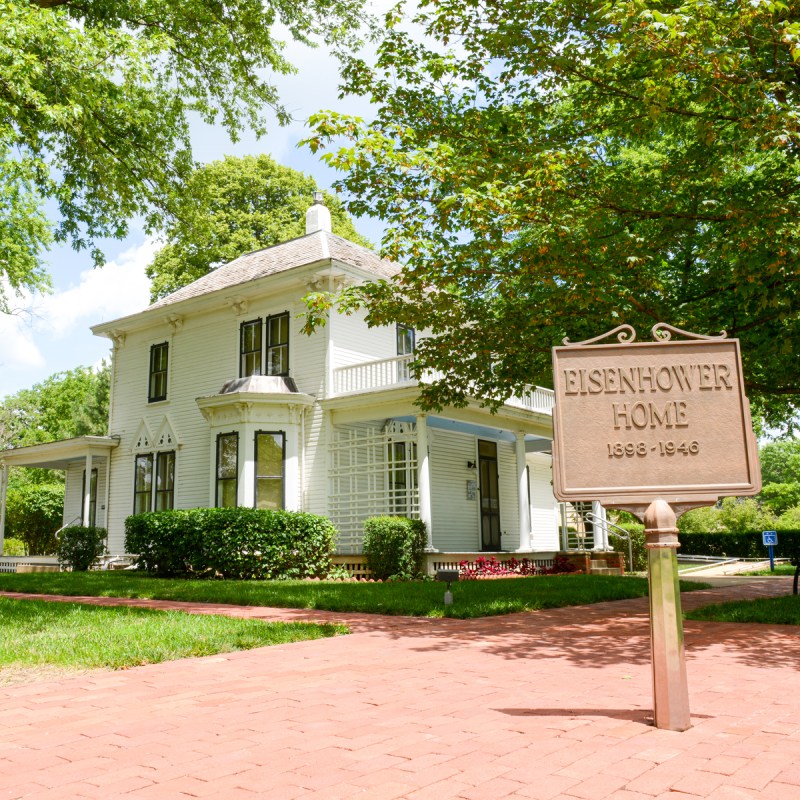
{"x":522,"y":492}
{"x":3,"y":492}
{"x":424,"y":478}
{"x":600,"y":529}
{"x":87,"y":491}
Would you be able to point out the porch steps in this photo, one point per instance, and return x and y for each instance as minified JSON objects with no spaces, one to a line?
{"x":599,"y":566}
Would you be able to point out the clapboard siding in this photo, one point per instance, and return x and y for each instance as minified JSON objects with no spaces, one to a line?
{"x":354,"y":342}
{"x":455,"y":519}
{"x":509,"y":495}
{"x":73,"y":493}
{"x":203,"y":355}
{"x":544,"y":517}
{"x":315,"y":463}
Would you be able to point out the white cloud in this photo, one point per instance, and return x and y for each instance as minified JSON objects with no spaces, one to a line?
{"x":19,"y":348}
{"x":50,"y":333}
{"x":114,"y":290}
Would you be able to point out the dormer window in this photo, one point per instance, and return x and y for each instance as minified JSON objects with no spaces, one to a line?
{"x":157,"y":385}
{"x":264,"y":346}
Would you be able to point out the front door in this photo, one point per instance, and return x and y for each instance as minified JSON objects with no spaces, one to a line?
{"x":490,"y":495}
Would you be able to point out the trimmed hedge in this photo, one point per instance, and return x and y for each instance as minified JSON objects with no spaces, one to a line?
{"x":739,"y":545}
{"x":394,"y":546}
{"x":80,"y":545}
{"x":636,"y":532}
{"x":240,"y":543}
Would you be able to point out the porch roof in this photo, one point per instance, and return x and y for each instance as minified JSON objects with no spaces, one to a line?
{"x":60,"y":454}
{"x":399,"y":403}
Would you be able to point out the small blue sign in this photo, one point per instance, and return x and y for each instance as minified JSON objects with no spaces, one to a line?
{"x":769,"y":538}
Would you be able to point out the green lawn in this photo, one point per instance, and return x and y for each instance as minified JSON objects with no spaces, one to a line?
{"x":76,"y":636}
{"x":421,"y":599}
{"x":780,"y":569}
{"x":771,"y":611}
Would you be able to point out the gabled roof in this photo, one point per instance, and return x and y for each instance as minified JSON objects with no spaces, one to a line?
{"x":314,"y":247}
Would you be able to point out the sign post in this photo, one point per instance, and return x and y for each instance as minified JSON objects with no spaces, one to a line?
{"x":770,"y":539}
{"x":654,"y":428}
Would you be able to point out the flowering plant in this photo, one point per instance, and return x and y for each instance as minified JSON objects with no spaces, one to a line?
{"x":484,"y":567}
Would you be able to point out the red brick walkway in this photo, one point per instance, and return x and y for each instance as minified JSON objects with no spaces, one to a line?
{"x":543,"y":705}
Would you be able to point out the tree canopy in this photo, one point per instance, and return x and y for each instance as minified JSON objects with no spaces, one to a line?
{"x":67,"y":404}
{"x":235,"y":206}
{"x":95,"y":101}
{"x":780,"y":461}
{"x":556,"y":169}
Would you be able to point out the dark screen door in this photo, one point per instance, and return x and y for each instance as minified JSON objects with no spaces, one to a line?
{"x":490,"y":495}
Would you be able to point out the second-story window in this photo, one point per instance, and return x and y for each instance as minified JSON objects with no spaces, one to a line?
{"x":250,"y":348}
{"x":405,"y":347}
{"x":264,"y":346}
{"x":278,"y":345}
{"x":157,"y":385}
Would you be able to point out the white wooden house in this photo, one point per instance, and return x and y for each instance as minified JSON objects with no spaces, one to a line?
{"x":218,"y":398}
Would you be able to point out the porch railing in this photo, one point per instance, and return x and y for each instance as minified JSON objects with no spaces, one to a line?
{"x":370,"y":375}
{"x":386,"y":373}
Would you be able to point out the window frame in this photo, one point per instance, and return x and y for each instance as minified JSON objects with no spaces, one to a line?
{"x":269,"y":346}
{"x":403,"y":369}
{"x":156,"y":375}
{"x":218,"y":480}
{"x":401,"y":329}
{"x":401,"y":461}
{"x":258,"y":351}
{"x":148,"y":492}
{"x":256,"y":475}
{"x":169,"y":492}
{"x":152,"y":493}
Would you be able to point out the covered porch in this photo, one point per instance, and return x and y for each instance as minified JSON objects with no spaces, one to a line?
{"x":85,"y":462}
{"x":480,"y":481}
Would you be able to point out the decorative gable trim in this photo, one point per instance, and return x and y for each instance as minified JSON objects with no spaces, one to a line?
{"x":398,"y":428}
{"x":166,"y":438}
{"x":144,"y":438}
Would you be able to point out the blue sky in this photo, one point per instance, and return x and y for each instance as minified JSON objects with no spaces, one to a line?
{"x":50,"y":333}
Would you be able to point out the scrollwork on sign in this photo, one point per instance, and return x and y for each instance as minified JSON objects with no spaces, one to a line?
{"x":662,"y":332}
{"x":625,"y":334}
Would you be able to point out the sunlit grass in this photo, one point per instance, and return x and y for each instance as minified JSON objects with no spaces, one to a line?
{"x":780,"y":569}
{"x":419,"y":598}
{"x":770,"y":611}
{"x":82,"y":636}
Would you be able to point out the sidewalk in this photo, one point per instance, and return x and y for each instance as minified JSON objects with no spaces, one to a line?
{"x":552,"y":704}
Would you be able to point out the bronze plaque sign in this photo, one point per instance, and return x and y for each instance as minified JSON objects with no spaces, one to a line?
{"x":636,"y":421}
